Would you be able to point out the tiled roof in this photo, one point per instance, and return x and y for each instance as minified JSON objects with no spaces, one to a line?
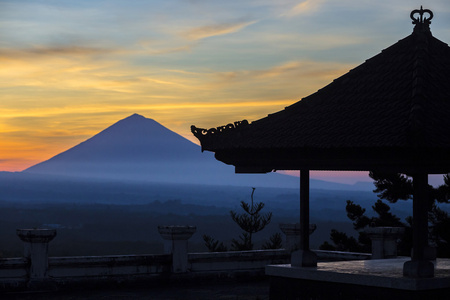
{"x":399,"y":98}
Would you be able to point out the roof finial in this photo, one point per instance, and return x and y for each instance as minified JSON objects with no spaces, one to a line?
{"x":421,"y":19}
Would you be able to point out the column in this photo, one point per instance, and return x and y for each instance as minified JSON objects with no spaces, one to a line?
{"x":292,"y":232}
{"x":304,"y":257}
{"x":176,"y":243}
{"x":36,"y":250}
{"x":419,"y":266}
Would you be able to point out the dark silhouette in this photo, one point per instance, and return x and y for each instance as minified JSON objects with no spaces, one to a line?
{"x":275,"y":242}
{"x":343,"y":242}
{"x":251,"y":222}
{"x":214,"y":245}
{"x":394,"y":187}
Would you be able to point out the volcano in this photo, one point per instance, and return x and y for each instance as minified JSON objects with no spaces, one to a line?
{"x":140,"y":149}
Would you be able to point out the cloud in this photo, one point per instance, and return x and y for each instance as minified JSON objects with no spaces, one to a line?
{"x":304,"y":7}
{"x":292,"y":69}
{"x":73,"y":68}
{"x":203,"y":32}
{"x":154,"y":47}
{"x":33,"y":52}
{"x":185,"y":48}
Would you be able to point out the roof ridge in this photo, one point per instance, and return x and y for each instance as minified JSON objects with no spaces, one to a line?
{"x":420,"y":35}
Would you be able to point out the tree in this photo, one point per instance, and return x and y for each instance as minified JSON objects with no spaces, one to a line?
{"x":213,"y":245}
{"x":275,"y":242}
{"x":394,"y":187}
{"x":251,"y":221}
{"x":342,"y":242}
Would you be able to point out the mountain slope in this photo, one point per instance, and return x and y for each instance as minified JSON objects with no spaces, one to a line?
{"x":137,"y":148}
{"x":133,"y":139}
{"x":141,"y":149}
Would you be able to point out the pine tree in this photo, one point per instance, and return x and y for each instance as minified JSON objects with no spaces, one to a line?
{"x":394,"y":187}
{"x":251,"y":221}
{"x":342,"y":242}
{"x":214,"y":245}
{"x":274,"y":242}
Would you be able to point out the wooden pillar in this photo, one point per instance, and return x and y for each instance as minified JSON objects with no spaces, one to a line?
{"x":304,"y":210}
{"x":419,"y":266}
{"x":304,"y":257}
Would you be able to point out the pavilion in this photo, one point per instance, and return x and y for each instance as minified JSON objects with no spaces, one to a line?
{"x":389,"y":114}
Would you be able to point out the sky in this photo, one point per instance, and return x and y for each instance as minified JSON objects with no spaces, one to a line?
{"x":69,"y":69}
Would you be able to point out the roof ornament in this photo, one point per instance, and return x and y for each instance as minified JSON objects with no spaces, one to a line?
{"x":421,"y":19}
{"x":201,"y":132}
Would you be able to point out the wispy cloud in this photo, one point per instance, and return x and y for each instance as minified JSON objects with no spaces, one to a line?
{"x":292,"y":69}
{"x":49,"y":51}
{"x":304,"y":7}
{"x":185,"y":48}
{"x":67,"y":68}
{"x":203,"y":32}
{"x":154,"y":47}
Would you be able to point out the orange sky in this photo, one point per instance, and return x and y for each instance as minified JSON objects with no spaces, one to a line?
{"x":69,"y":69}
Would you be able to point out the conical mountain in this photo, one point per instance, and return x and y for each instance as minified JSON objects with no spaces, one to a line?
{"x":140,"y":149}
{"x":132,"y":148}
{"x":133,"y":139}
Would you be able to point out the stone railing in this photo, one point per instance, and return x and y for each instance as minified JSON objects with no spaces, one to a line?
{"x":37,"y":270}
{"x":236,"y":262}
{"x":100,"y":267}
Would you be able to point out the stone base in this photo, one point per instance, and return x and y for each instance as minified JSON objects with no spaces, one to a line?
{"x":418,"y":269}
{"x":303,"y":258}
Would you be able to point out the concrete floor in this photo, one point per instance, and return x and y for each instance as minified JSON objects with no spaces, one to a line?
{"x":226,"y":290}
{"x":387,"y":273}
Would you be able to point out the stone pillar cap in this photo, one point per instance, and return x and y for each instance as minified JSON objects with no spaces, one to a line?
{"x":384,"y":230}
{"x":39,"y":235}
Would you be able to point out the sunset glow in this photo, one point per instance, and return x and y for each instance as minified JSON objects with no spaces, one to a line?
{"x":69,"y":69}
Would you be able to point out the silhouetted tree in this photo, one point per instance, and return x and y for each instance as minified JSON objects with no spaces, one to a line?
{"x":244,"y":243}
{"x":342,"y":242}
{"x":275,"y":242}
{"x":213,"y":245}
{"x":394,"y":187}
{"x":251,"y":221}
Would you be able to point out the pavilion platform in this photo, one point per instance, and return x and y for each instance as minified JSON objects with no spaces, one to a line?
{"x":362,"y":280}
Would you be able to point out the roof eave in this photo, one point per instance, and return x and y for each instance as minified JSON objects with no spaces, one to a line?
{"x":399,"y":160}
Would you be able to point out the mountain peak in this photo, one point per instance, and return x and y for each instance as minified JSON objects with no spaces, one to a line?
{"x":134,"y":122}
{"x":135,"y":116}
